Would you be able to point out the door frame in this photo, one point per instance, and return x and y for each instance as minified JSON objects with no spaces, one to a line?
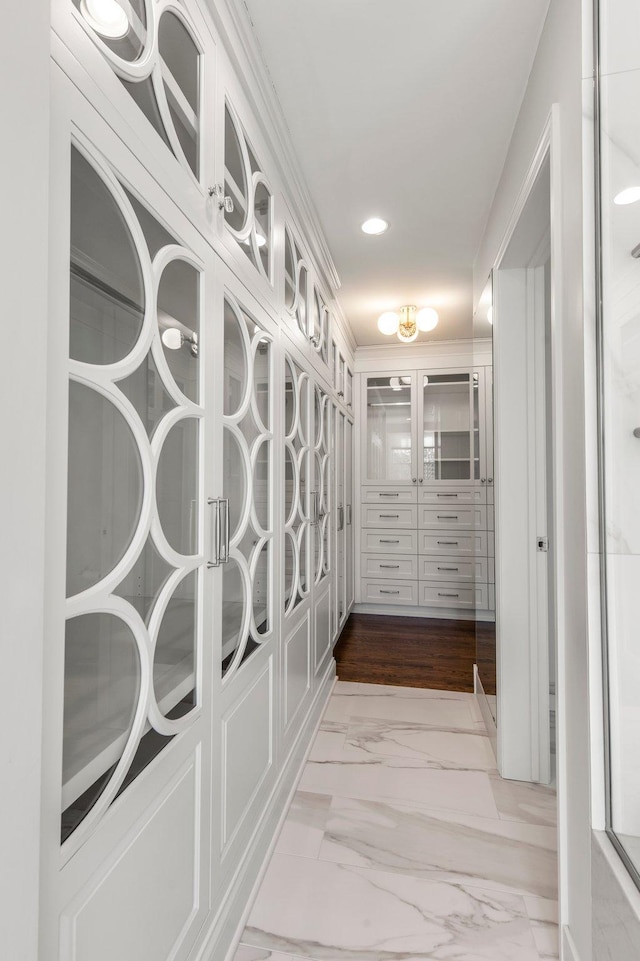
{"x":547,"y":151}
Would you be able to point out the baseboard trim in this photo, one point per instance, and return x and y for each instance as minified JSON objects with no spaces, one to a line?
{"x":568,"y":950}
{"x":485,"y":711}
{"x":448,"y":614}
{"x":221,"y":937}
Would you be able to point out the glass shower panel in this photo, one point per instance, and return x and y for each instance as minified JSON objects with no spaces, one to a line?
{"x":389,"y":431}
{"x":619,"y":423}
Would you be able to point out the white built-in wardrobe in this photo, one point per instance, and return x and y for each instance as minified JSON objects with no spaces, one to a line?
{"x":200,"y":540}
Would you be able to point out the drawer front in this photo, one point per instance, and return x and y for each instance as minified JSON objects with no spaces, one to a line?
{"x":391,"y":496}
{"x":389,"y":542}
{"x":452,"y":497}
{"x":462,"y":596}
{"x":453,"y":543}
{"x":392,"y":516}
{"x":491,"y":544}
{"x":461,"y":569}
{"x":452,"y":518}
{"x":390,"y":592}
{"x":402,"y":567}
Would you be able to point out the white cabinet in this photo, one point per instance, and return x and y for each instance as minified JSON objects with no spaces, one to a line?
{"x":426,"y":510}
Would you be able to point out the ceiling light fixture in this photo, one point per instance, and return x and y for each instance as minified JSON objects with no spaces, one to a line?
{"x":375,"y":225}
{"x":174,"y":338}
{"x":408,"y":322}
{"x":628,"y":196}
{"x":106,"y":17}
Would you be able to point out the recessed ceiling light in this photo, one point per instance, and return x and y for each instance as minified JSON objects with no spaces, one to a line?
{"x":629,"y":196}
{"x":106,"y":17}
{"x":375,"y":225}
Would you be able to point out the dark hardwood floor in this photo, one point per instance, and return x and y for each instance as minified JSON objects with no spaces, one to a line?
{"x":407,"y":652}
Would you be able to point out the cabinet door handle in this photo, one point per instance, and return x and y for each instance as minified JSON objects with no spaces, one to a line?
{"x":389,"y":515}
{"x":449,"y":543}
{"x":413,"y":480}
{"x":385,"y":494}
{"x":449,"y":569}
{"x":421,"y":481}
{"x":440,"y":594}
{"x":349,"y":515}
{"x":341,"y":518}
{"x":388,"y":592}
{"x":390,"y":567}
{"x":383,"y":541}
{"x":224,"y":527}
{"x":446,"y":495}
{"x":447,"y":517}
{"x":215,"y":531}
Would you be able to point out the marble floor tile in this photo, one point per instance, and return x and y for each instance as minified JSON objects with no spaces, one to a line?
{"x":405,"y":779}
{"x":248,"y":952}
{"x":391,"y":690}
{"x":521,"y":801}
{"x":408,"y":839}
{"x":444,"y":710}
{"x":303,"y":830}
{"x":333,"y":912}
{"x":446,"y":749}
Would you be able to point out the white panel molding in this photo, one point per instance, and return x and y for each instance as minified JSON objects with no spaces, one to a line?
{"x":291,"y":710}
{"x":440,"y":353}
{"x":220,"y":939}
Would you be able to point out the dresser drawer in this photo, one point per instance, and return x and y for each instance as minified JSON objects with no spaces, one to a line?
{"x":402,"y":567}
{"x":462,"y":569}
{"x":390,"y":592}
{"x":453,"y":543}
{"x":451,"y":517}
{"x":452,"y":497}
{"x":389,"y":542}
{"x":448,"y":595}
{"x":391,"y":496}
{"x":391,"y":516}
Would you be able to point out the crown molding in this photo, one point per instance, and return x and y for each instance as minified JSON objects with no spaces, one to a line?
{"x":234,"y":25}
{"x":442,"y":353}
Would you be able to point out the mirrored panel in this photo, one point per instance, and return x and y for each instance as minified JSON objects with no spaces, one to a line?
{"x":447,"y":427}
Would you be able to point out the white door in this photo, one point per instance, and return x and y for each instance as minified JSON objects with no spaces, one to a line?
{"x":127,"y":711}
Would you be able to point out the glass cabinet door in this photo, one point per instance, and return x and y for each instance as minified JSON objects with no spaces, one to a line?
{"x":450,"y":416}
{"x":389,"y":455}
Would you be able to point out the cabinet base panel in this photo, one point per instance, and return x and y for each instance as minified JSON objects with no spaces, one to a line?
{"x":450,"y":614}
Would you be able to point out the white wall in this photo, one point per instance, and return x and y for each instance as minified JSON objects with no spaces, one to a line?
{"x":556,"y":78}
{"x":24,"y":121}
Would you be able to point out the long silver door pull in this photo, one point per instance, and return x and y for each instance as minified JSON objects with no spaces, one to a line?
{"x":388,"y":516}
{"x":383,"y":541}
{"x":349,"y":515}
{"x":456,"y":569}
{"x":215,"y":531}
{"x":449,"y":543}
{"x":224,"y":504}
{"x":447,"y":517}
{"x":390,"y":567}
{"x":385,"y":494}
{"x":446,"y":495}
{"x":447,"y":595}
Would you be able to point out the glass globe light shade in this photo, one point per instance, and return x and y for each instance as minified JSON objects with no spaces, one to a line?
{"x":427,"y":319}
{"x":388,"y":323}
{"x":172,"y":338}
{"x":407,"y":338}
{"x":106,"y":17}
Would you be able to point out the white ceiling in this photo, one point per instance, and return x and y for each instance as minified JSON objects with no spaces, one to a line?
{"x":401,"y":109}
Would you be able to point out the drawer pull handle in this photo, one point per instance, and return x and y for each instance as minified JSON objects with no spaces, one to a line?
{"x":448,"y":568}
{"x":446,"y":495}
{"x":388,"y":592}
{"x":447,"y":595}
{"x":383,"y":541}
{"x":390,"y":515}
{"x":390,"y":567}
{"x":449,"y":543}
{"x":384,"y":494}
{"x":447,"y":517}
